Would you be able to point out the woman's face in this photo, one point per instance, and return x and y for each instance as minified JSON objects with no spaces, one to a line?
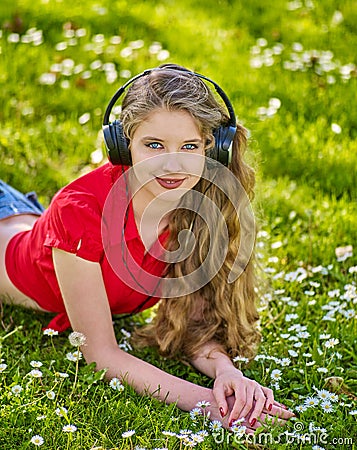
{"x":167,"y":151}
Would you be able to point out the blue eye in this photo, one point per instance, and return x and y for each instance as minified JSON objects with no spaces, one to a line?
{"x":190,"y":146}
{"x":154,"y":145}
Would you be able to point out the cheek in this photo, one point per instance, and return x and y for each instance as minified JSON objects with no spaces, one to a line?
{"x":193,"y":164}
{"x":143,"y":166}
{"x":192,"y":181}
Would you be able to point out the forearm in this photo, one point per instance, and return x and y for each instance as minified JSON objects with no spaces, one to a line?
{"x":212,"y":360}
{"x":147,"y":379}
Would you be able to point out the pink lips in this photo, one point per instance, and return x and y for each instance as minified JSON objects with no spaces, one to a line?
{"x":170,"y":183}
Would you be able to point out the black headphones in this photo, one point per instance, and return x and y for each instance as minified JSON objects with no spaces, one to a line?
{"x":117,"y":144}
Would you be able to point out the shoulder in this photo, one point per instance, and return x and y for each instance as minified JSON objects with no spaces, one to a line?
{"x":92,"y":187}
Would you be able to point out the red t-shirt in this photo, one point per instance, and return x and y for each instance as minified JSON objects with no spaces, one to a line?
{"x":89,"y":218}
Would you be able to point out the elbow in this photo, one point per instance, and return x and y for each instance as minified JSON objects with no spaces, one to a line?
{"x":102,"y":357}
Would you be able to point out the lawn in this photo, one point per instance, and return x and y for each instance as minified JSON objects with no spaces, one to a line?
{"x":289,"y":68}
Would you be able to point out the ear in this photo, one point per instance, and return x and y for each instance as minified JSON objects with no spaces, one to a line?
{"x":209,"y":141}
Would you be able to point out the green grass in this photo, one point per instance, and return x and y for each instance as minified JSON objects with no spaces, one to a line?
{"x":305,"y":155}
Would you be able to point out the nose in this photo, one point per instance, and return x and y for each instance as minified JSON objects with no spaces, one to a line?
{"x":172,"y":162}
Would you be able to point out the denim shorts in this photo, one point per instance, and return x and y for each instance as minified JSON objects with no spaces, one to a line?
{"x":13,"y":202}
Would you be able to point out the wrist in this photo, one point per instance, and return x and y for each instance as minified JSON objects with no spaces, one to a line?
{"x":193,"y":395}
{"x":223,"y":364}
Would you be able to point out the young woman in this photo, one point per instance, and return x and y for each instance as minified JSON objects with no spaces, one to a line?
{"x":92,"y":252}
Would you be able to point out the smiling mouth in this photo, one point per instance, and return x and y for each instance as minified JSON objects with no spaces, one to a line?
{"x":170,"y":183}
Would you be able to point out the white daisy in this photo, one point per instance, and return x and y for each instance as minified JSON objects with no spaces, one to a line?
{"x":303,"y":334}
{"x":61,"y":374}
{"x":197,"y":438}
{"x":168,"y":433}
{"x":326,"y":406}
{"x":69,"y":428}
{"x":36,"y":364}
{"x":203,"y":404}
{"x":325,"y":336}
{"x":195,"y":412}
{"x":331,"y":343}
{"x":61,"y":411}
{"x":238,"y":430}
{"x":116,"y":384}
{"x":128,"y":434}
{"x":241,"y":359}
{"x":37,"y":440}
{"x":323,"y":394}
{"x":276,"y":374}
{"x":75,"y":356}
{"x":215,"y":425}
{"x":50,"y":332}
{"x":203,"y":433}
{"x":51,"y":395}
{"x":16,"y":389}
{"x":36,"y":373}
{"x":300,"y":408}
{"x":311,"y":402}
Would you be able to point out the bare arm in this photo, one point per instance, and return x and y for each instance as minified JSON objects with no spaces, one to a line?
{"x":86,"y":302}
{"x":212,"y":360}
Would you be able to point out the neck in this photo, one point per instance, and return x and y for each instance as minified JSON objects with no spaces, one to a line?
{"x":153,"y":211}
{"x":158,"y":212}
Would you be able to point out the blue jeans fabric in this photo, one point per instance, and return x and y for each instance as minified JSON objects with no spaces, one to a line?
{"x":13,"y":202}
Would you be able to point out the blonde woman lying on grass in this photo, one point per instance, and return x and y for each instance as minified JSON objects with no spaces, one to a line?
{"x":176,"y":164}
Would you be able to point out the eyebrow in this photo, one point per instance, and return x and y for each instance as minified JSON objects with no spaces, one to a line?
{"x":153,"y":138}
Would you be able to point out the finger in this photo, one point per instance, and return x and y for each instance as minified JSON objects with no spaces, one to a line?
{"x":269,"y":394}
{"x":254,"y":394}
{"x":281,"y":405}
{"x":266,"y":419}
{"x":248,"y":428}
{"x":281,"y":413}
{"x":258,"y":407}
{"x":220,"y":398}
{"x":240,"y":404}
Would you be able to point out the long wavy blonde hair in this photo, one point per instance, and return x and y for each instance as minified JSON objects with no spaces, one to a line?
{"x":219,"y":311}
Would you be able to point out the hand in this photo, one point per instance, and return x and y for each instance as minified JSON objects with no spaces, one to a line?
{"x":278,"y":415}
{"x":242,"y":397}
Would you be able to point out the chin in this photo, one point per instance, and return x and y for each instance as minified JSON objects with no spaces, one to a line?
{"x":173,"y":195}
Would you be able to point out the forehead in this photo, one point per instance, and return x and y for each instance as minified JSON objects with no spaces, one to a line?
{"x":169,"y":123}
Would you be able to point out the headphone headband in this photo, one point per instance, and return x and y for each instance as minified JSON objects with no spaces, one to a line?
{"x":115,"y":140}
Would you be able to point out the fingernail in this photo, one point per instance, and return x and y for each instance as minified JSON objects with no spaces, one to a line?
{"x":270,"y":407}
{"x":252,"y":422}
{"x":231,"y":422}
{"x":221,"y":411}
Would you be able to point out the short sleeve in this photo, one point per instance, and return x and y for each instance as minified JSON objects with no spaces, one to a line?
{"x":74,"y":225}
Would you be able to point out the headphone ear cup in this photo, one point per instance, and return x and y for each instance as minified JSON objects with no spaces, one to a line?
{"x":223,"y":137}
{"x":124,"y":155}
{"x":116,"y":144}
{"x":218,"y":153}
{"x":212,"y":152}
